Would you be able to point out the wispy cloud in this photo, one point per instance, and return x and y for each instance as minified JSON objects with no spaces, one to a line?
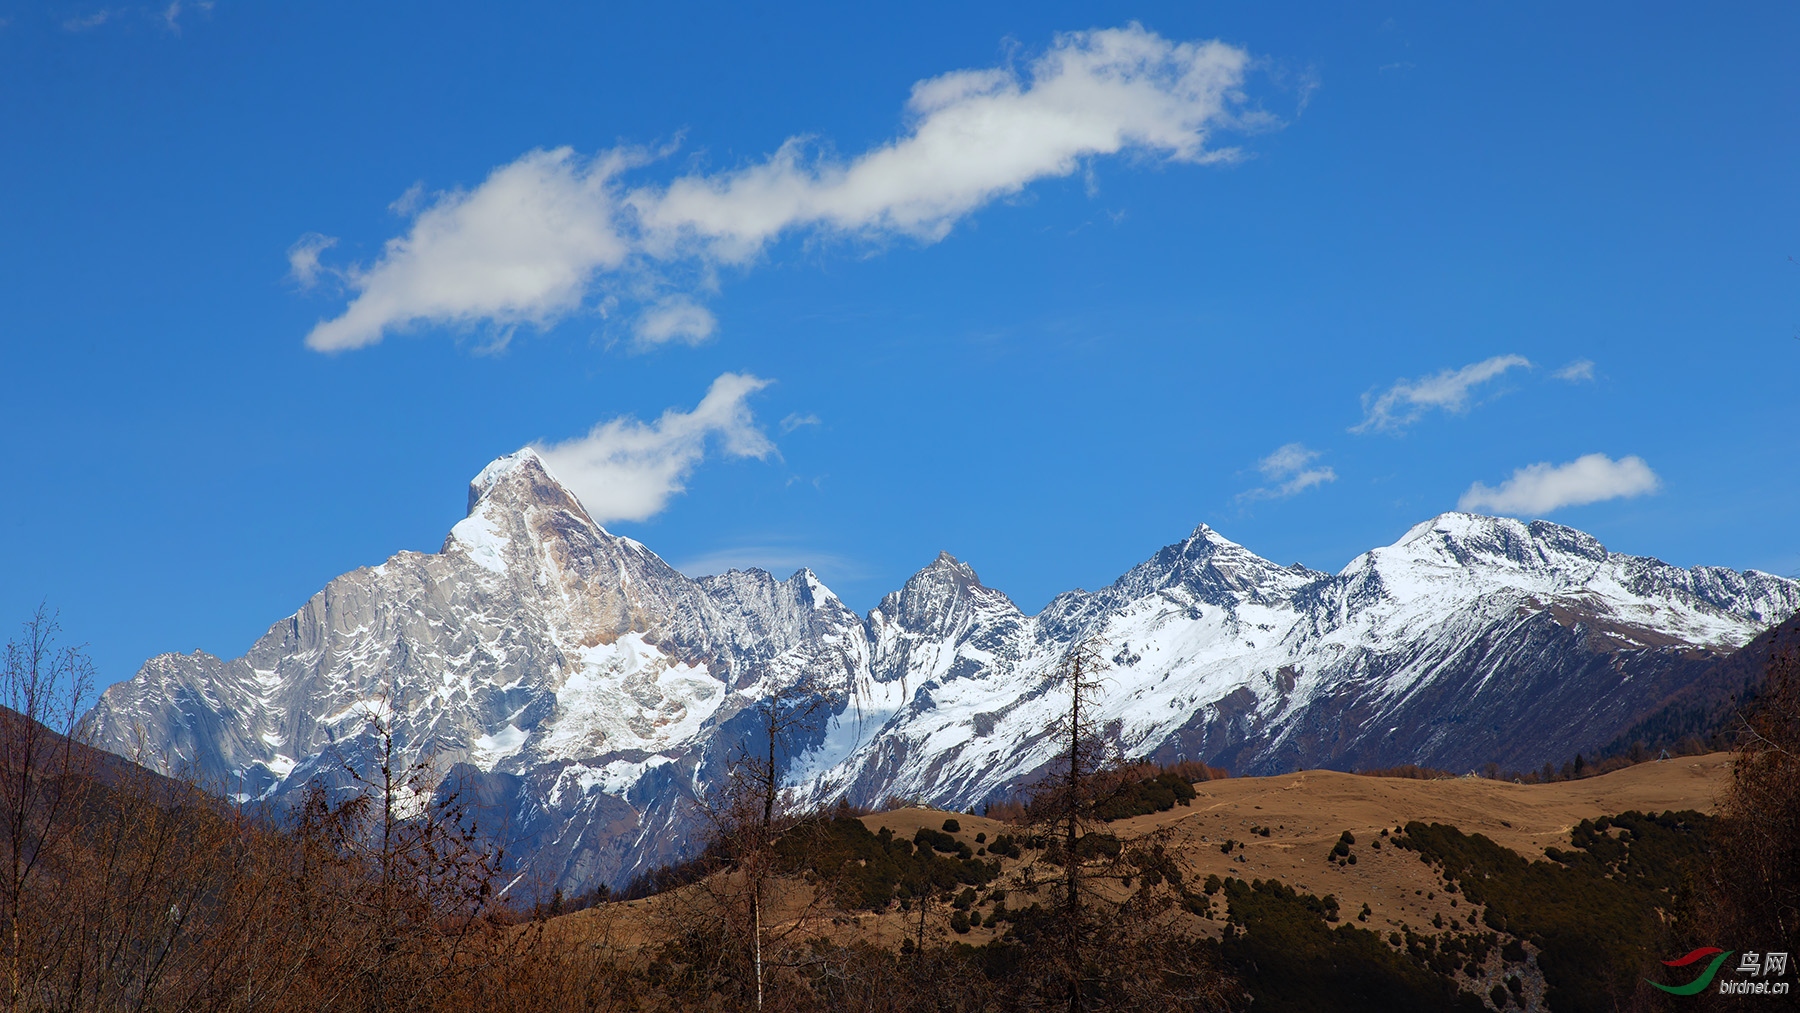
{"x":626,"y":470}
{"x":1579,"y":371}
{"x":303,"y":258}
{"x":1541,"y":488}
{"x":547,"y":231}
{"x":408,"y":201}
{"x":87,"y":22}
{"x":1289,"y":470}
{"x":796,"y":420}
{"x":171,"y":15}
{"x":1408,"y":400}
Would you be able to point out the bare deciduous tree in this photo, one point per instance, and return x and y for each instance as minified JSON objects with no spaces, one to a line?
{"x":746,"y":816}
{"x":43,"y":774}
{"x":1755,"y":883}
{"x":433,"y":873}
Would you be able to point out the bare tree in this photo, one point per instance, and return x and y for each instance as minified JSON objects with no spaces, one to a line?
{"x":1117,"y":940}
{"x":746,"y":816}
{"x":1755,"y":882}
{"x":43,"y":771}
{"x":783,"y":714}
{"x":1069,"y":806}
{"x":431,"y":873}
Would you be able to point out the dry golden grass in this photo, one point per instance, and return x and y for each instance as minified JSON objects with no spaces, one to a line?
{"x":1305,"y":813}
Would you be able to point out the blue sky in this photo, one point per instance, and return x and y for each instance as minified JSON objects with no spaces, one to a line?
{"x":277,"y":280}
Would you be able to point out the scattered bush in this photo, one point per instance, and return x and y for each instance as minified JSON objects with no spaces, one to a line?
{"x":1292,"y":959}
{"x":1140,"y":798}
{"x":1591,"y":912}
{"x":1005,"y":846}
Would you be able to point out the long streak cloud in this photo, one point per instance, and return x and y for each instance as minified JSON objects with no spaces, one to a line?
{"x":547,"y":233}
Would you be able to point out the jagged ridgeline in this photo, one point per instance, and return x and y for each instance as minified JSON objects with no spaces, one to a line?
{"x":584,"y":690}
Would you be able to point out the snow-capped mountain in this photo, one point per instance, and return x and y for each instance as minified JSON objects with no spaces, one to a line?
{"x":584,"y":690}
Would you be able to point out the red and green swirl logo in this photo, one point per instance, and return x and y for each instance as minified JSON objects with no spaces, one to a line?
{"x":1699,"y":984}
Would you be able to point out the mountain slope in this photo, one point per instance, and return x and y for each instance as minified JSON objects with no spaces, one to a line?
{"x":586,"y":690}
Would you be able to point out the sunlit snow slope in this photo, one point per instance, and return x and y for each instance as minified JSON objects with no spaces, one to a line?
{"x":584,"y":690}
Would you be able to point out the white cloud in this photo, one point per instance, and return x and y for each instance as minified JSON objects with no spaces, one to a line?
{"x":676,"y":319}
{"x":626,"y":470}
{"x":520,"y":248}
{"x":1289,"y":471}
{"x":796,"y":420}
{"x":1579,"y":371}
{"x":976,"y":135}
{"x":303,"y":258}
{"x":1541,"y":488}
{"x":1402,"y":404}
{"x":543,"y":233}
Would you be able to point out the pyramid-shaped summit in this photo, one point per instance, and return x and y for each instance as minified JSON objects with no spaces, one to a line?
{"x":518,"y":479}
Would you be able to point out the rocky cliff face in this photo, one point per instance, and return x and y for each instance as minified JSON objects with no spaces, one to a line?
{"x":569,"y":676}
{"x":585,"y":690}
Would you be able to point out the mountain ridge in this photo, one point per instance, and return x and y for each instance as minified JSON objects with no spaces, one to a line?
{"x":591,"y":690}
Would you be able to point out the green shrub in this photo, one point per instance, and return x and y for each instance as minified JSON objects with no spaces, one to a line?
{"x":936,"y":840}
{"x":869,"y":871}
{"x":1290,"y":958}
{"x":1140,"y":798}
{"x":1592,"y":912}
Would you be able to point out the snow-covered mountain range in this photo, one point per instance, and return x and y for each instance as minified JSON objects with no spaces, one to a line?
{"x":585,"y":690}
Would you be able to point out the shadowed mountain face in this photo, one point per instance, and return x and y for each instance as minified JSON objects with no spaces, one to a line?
{"x":586,"y":690}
